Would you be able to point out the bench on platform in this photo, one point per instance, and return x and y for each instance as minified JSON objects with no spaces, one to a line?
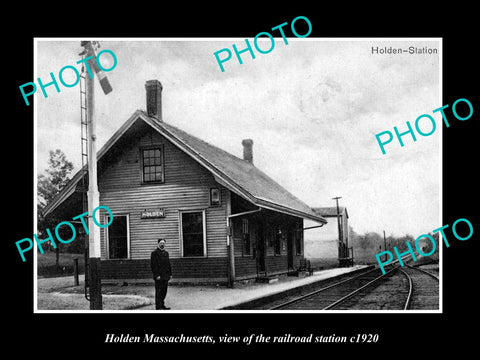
{"x":305,"y":266}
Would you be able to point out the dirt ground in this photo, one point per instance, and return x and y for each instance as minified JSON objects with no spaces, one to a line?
{"x":61,"y":293}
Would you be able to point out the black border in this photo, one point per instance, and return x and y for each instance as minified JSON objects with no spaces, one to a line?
{"x":410,"y":334}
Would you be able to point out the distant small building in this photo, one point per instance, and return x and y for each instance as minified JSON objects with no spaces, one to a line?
{"x":326,"y":244}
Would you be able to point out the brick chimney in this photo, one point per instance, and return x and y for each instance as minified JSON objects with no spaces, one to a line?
{"x":247,"y":150}
{"x":154,"y":98}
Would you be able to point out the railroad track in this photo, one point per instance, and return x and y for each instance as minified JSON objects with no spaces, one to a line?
{"x":423,"y":289}
{"x":331,"y":296}
{"x":372,"y":290}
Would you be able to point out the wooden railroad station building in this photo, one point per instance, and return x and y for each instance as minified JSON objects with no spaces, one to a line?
{"x":223,"y":218}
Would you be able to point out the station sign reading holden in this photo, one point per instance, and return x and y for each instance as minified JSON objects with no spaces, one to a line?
{"x":152,"y":214}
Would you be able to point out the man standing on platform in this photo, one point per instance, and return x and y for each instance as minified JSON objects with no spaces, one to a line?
{"x":162,"y":273}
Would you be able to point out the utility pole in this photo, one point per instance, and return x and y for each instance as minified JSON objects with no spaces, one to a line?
{"x":385,"y":244}
{"x":340,"y":237}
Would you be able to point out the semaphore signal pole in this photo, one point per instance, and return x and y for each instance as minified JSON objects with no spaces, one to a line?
{"x":93,"y":202}
{"x":93,"y":195}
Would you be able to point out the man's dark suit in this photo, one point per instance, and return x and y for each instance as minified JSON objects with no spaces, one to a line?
{"x":160,"y":264}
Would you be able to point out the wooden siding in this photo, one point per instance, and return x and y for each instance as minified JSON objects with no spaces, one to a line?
{"x":199,"y":268}
{"x":246,"y":265}
{"x":286,"y":224}
{"x":239,"y":243}
{"x":186,"y":186}
{"x":276,"y":264}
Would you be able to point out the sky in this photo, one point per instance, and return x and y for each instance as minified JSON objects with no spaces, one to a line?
{"x":312,"y":109}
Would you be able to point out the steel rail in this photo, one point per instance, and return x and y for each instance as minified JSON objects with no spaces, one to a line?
{"x":357,"y":290}
{"x":410,"y":289}
{"x":310,"y":294}
{"x":315,"y":292}
{"x":425,"y":272}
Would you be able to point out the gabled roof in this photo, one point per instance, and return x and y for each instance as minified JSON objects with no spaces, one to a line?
{"x":234,"y":173}
{"x":330,"y":211}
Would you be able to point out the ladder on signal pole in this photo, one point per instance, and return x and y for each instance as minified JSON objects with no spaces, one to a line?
{"x":84,"y":170}
{"x":93,"y":266}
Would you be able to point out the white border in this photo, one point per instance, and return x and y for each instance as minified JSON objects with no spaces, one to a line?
{"x":412,"y":39}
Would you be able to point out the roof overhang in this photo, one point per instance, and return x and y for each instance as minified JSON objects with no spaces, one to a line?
{"x":330,"y":211}
{"x":219,"y":176}
{"x":71,"y":187}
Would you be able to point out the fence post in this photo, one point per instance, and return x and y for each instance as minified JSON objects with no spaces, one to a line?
{"x":75,"y":270}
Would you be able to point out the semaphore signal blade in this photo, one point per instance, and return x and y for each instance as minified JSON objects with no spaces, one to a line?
{"x":104,"y":83}
{"x":102,"y":78}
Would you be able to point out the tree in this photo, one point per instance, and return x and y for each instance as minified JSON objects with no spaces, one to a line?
{"x":49,"y":184}
{"x":55,"y":177}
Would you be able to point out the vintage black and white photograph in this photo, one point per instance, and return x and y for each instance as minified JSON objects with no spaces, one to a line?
{"x":209,"y":175}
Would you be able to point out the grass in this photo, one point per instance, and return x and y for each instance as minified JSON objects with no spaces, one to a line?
{"x":46,"y":264}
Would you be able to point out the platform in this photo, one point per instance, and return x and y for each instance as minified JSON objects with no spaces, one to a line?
{"x":254,"y":297}
{"x":60,"y":294}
